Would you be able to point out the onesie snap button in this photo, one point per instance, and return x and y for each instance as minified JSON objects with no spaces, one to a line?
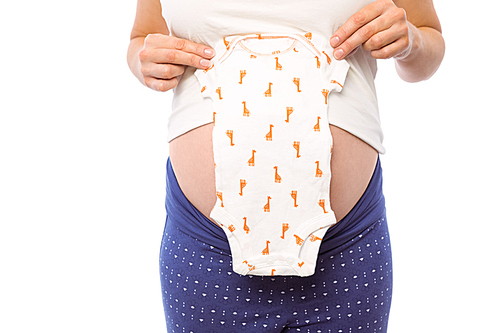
{"x":289,"y":260}
{"x":270,"y":260}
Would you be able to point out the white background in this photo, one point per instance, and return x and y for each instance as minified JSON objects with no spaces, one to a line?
{"x":83,"y":150}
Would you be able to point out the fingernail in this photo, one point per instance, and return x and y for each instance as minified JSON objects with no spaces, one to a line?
{"x":209,"y":52}
{"x":204,"y":62}
{"x":338,"y":54}
{"x":334,"y":41}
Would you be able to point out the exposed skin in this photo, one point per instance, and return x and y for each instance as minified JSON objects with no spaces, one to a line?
{"x":406,"y":30}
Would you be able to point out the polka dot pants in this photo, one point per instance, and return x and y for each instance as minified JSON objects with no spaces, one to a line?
{"x":349,"y":292}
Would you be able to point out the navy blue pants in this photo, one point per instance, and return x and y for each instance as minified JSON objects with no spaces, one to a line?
{"x":350,"y":291}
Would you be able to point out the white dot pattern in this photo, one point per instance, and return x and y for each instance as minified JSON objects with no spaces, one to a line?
{"x":350,"y":291}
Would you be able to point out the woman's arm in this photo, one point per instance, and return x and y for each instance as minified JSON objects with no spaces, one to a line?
{"x":156,"y":58}
{"x":406,"y":30}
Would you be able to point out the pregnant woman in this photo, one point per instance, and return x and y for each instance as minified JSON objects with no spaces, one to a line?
{"x":275,"y":211}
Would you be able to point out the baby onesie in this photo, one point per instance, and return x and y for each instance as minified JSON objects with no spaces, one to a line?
{"x":272,"y":148}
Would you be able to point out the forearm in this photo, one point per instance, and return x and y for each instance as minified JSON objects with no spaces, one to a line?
{"x":136,"y":45}
{"x":426,"y":54}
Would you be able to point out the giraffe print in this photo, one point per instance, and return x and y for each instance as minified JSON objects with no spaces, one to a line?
{"x":243,"y":183}
{"x":278,"y":66}
{"x":269,"y":135}
{"x":267,"y":206}
{"x":289,"y":111}
{"x":319,"y":173}
{"x":296,"y":81}
{"x":246,"y":112}
{"x":245,"y":226}
{"x":272,"y":101}
{"x":266,"y":250}
{"x":229,"y":133}
{"x":251,"y":161}
{"x":267,"y":93}
{"x":243,"y":73}
{"x":277,"y":178}
{"x":285,"y":229}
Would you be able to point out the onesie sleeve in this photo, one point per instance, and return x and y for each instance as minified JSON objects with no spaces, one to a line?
{"x":334,"y":73}
{"x":207,"y":78}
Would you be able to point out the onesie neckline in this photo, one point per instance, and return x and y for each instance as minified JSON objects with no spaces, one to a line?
{"x":276,"y":52}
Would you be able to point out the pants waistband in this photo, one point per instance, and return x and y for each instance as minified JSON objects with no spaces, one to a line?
{"x":188,"y":219}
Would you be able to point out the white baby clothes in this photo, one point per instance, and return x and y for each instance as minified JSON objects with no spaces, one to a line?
{"x":272,"y":148}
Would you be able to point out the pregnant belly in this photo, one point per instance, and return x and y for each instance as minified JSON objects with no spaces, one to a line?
{"x":352,"y":165}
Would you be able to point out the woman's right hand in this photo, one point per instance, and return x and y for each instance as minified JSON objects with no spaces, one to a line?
{"x":163,"y":58}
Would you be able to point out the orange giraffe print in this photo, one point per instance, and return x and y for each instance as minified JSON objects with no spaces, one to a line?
{"x":319,"y":173}
{"x":335,"y":82}
{"x":272,"y":272}
{"x":328,"y":59}
{"x":219,"y":195}
{"x":314,"y":238}
{"x":294,"y":197}
{"x":298,"y":240}
{"x":252,"y":56}
{"x":289,"y":111}
{"x":243,"y":183}
{"x":316,"y":127}
{"x":229,"y":133}
{"x":218,"y":92}
{"x":269,"y":135}
{"x":318,"y":63}
{"x":321,"y":203}
{"x":278,"y":66}
{"x":226,"y":43}
{"x":250,"y":267}
{"x":296,"y":80}
{"x":325,"y":93}
{"x":285,"y":228}
{"x":209,"y":68}
{"x":245,"y":226}
{"x":295,"y":50}
{"x":268,"y":91}
{"x":214,"y":116}
{"x":277,"y":178}
{"x":251,"y":161}
{"x":308,"y":35}
{"x":296,"y":145}
{"x":231,"y":228}
{"x":267,"y":207}
{"x":266,"y":250}
{"x":204,"y":88}
{"x":242,"y":75}
{"x":301,"y":264}
{"x":246,"y":112}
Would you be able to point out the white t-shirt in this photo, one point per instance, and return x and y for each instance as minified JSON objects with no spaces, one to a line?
{"x":206,"y":22}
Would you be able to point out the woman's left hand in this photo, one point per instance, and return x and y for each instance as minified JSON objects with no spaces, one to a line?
{"x":381,"y":27}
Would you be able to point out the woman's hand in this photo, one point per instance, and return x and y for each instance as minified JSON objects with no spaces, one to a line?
{"x":381,"y":27}
{"x":163,"y":58}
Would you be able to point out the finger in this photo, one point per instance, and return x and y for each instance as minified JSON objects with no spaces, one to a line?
{"x":160,"y":84}
{"x":356,"y":21}
{"x":162,"y":71}
{"x":361,"y":36}
{"x":173,"y":56}
{"x":391,"y":50}
{"x":383,"y":38}
{"x":170,"y":42}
